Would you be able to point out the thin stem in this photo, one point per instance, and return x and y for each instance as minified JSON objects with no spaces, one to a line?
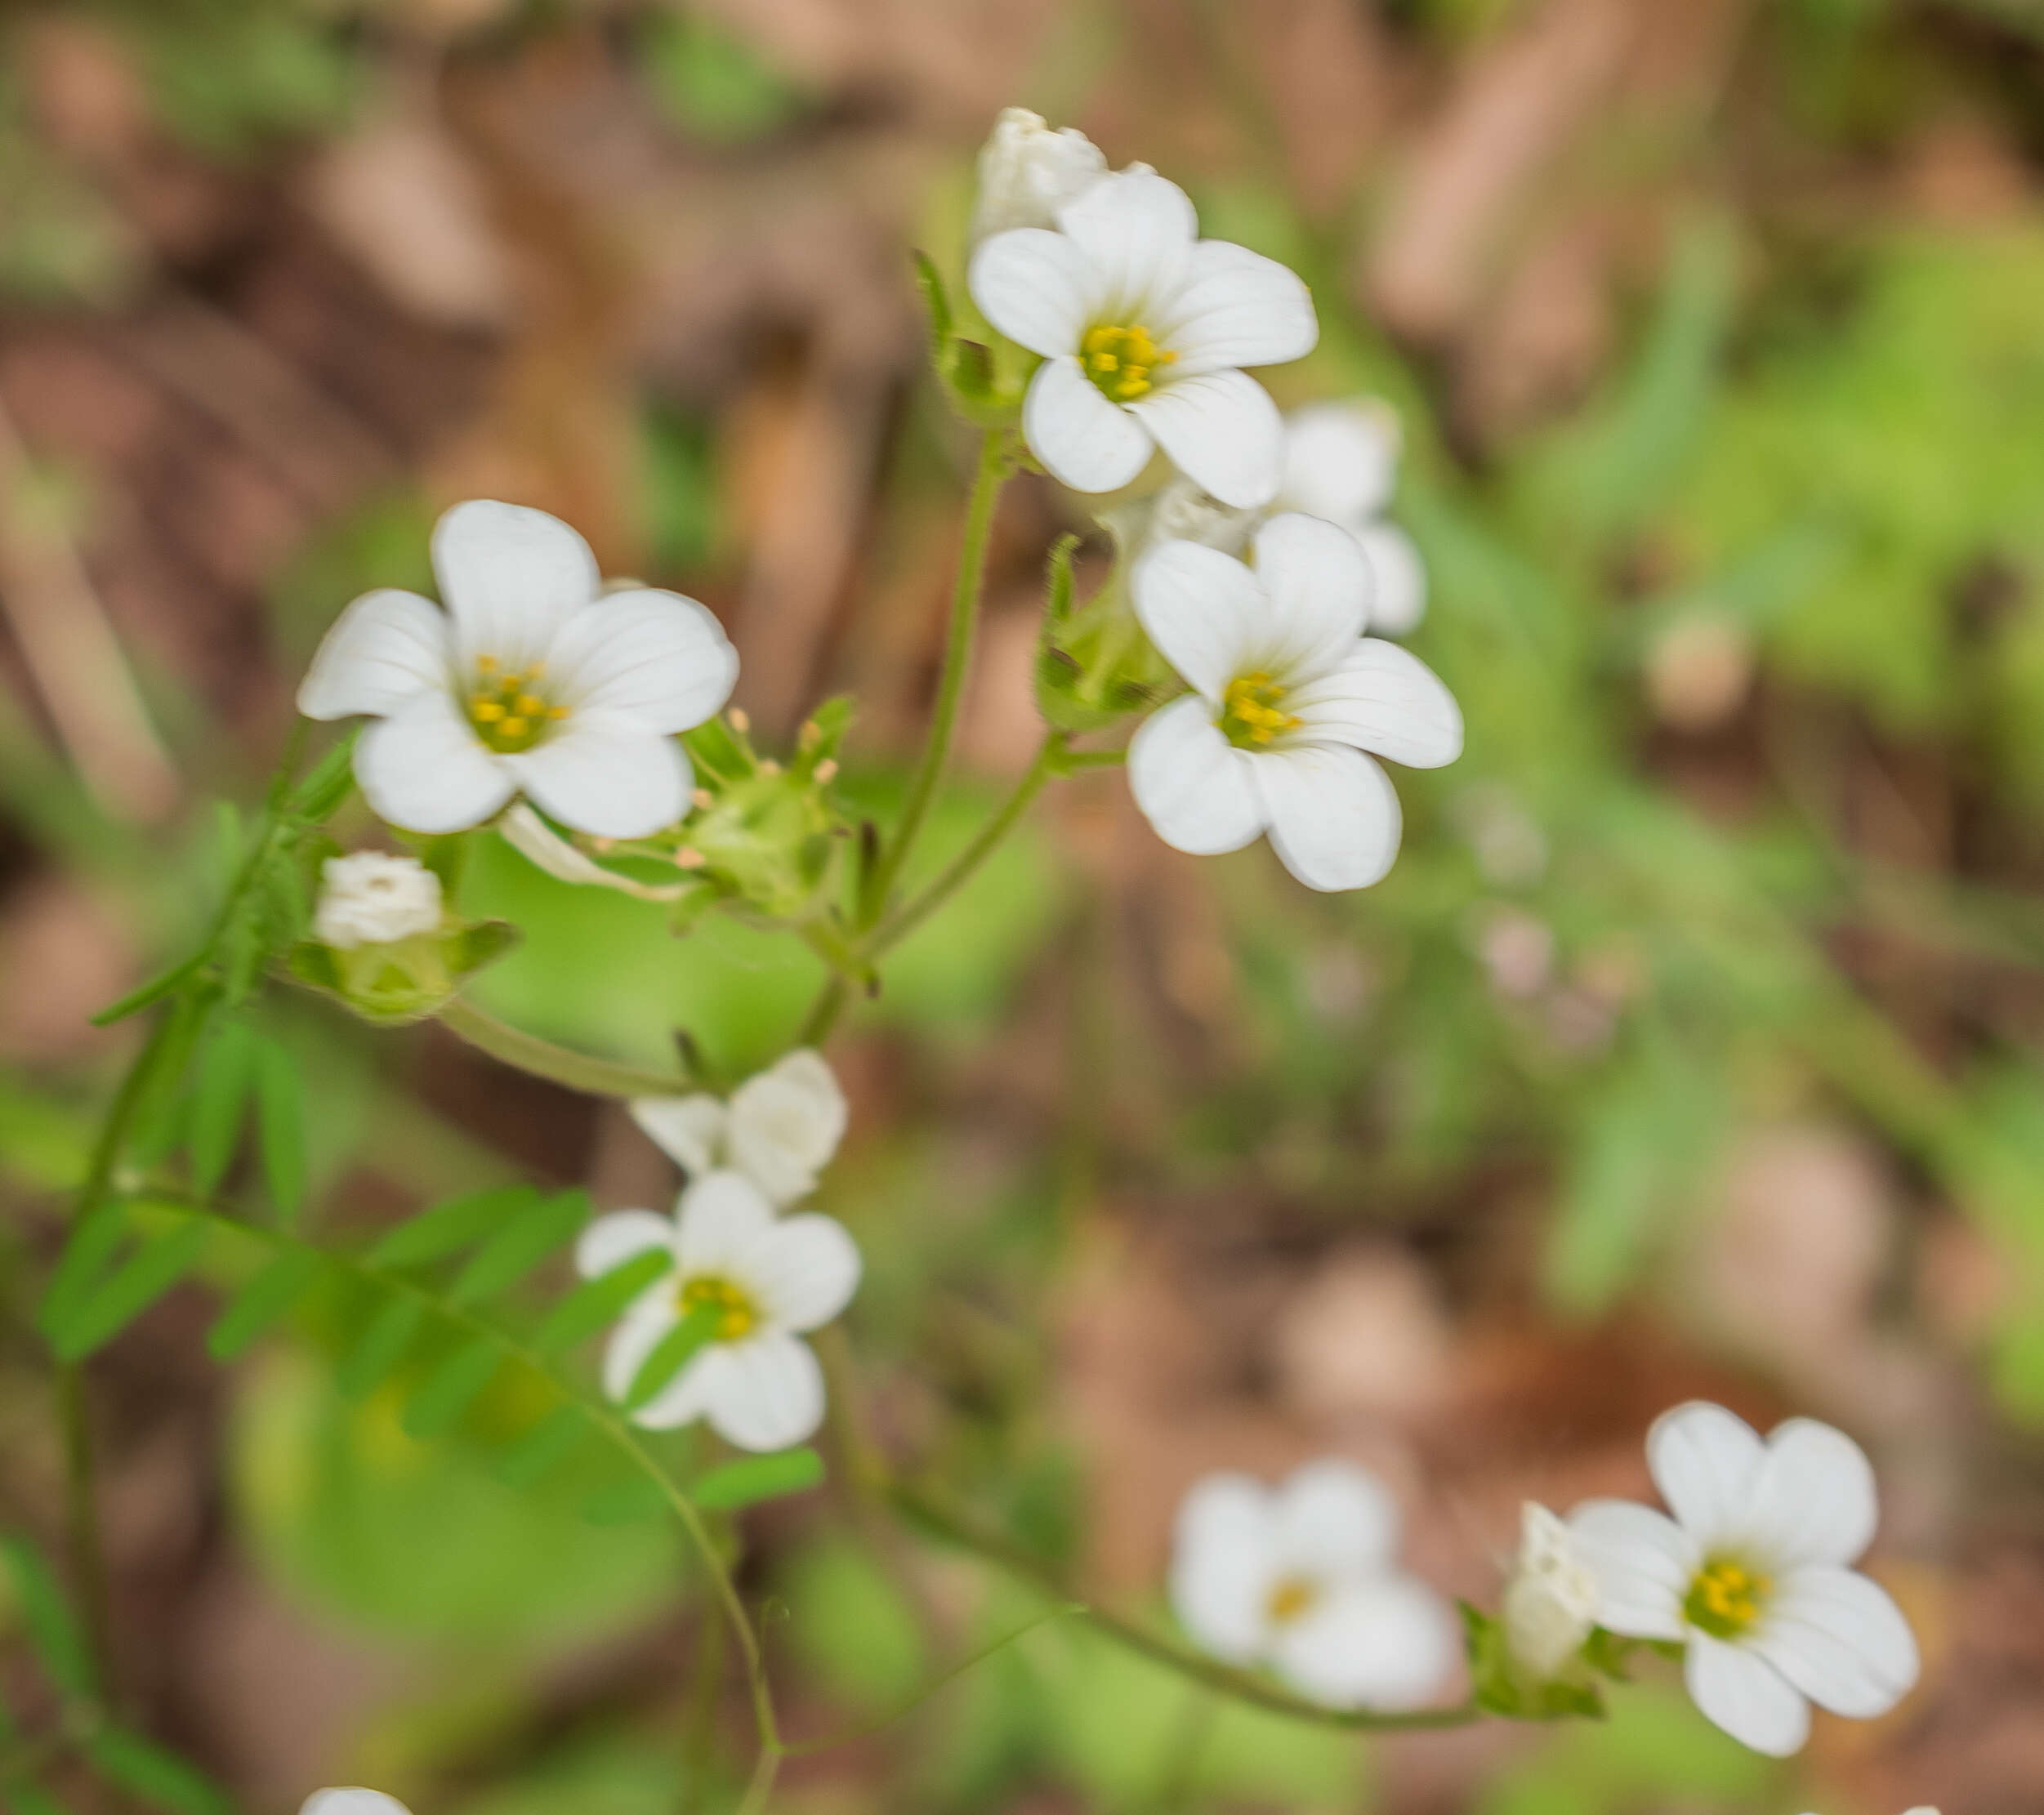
{"x":528,"y":1053}
{"x":764,"y":1769}
{"x":823,"y":1012}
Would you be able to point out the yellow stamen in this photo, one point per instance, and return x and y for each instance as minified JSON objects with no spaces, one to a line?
{"x":1250,"y":713}
{"x":486,"y":711}
{"x":738,"y":1314}
{"x":1291,"y":1597}
{"x":1119,"y":359}
{"x":510,"y":709}
{"x":1726,"y":1598}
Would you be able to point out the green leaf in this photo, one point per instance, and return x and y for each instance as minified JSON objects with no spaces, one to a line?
{"x":29,"y":1798}
{"x":330,"y":781}
{"x":147,"y":1273}
{"x":757,"y":1478}
{"x":259,"y":1304}
{"x":228,"y":837}
{"x":453,"y":1224}
{"x":519,"y":1246}
{"x":936,"y":303}
{"x":1057,"y":588}
{"x":161,"y":1778}
{"x":541,"y":1448}
{"x":626,"y":1502}
{"x":95,"y":1239}
{"x":158,"y":1122}
{"x":672,"y":1353}
{"x":599,"y":1301}
{"x":280,"y":1130}
{"x":159,"y":986}
{"x":226,"y":1070}
{"x":381,"y":1347}
{"x":54,"y":1635}
{"x":451,"y":1388}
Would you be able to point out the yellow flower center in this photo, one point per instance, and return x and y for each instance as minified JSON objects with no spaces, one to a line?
{"x":1251,"y":711}
{"x":509,"y":707}
{"x":739,"y":1315}
{"x":1726,"y":1598}
{"x":1119,"y":360}
{"x":1292,"y":1596}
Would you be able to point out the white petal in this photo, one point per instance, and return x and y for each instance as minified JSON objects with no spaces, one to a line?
{"x":1811,"y":1500}
{"x":1644,"y":1563}
{"x":350,"y":1802}
{"x":1082,"y":440}
{"x":1318,"y":581}
{"x":1221,"y":430}
{"x":785,"y":1124}
{"x":1340,"y":461}
{"x":1223,"y":1563}
{"x":804,"y":1269}
{"x":655,"y":657}
{"x":623,"y":1235}
{"x":689,"y":1129}
{"x":1703,"y":1458}
{"x":1383,"y":699}
{"x":511,"y":577}
{"x":1037,"y":286}
{"x":1204,"y":610}
{"x":1135,"y":230}
{"x":607,"y":774}
{"x":1237,"y":308}
{"x":764,"y":1394}
{"x":423,"y":768}
{"x":1397,"y":576}
{"x":1742,"y":1693}
{"x":638,"y":1332}
{"x":1335,"y":1518}
{"x":385,"y":648}
{"x":1384,"y":1642}
{"x":1332,"y":814}
{"x":722,"y":1216}
{"x":1839,"y":1638}
{"x":1193,"y":785}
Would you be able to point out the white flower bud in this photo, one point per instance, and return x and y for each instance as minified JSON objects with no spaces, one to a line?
{"x":1551,"y":1601}
{"x":1027,"y":172}
{"x":371,"y":898}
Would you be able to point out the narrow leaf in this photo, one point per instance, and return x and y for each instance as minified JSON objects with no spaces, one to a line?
{"x":146,"y":1274}
{"x":757,"y":1478}
{"x":599,"y":1301}
{"x":58,"y":1642}
{"x":671,"y":1354}
{"x":625,"y":1502}
{"x":929,"y":281}
{"x":228,"y":837}
{"x":161,"y":1777}
{"x":259,"y":1304}
{"x":280,"y":1129}
{"x":546,"y":1443}
{"x":451,"y":1225}
{"x":519,"y":1246}
{"x":28,"y":1798}
{"x":327,"y":784}
{"x":451,"y":1388}
{"x":381,"y":1347}
{"x":226,"y":1070}
{"x":158,"y":1122}
{"x":1058,"y":585}
{"x":157,"y":987}
{"x":95,"y":1239}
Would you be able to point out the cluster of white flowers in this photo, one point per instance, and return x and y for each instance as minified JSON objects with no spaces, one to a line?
{"x":369,"y":898}
{"x":771,"y":1277}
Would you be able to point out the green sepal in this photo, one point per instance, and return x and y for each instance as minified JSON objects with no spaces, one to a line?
{"x":404,"y":980}
{"x":1501,"y":1685}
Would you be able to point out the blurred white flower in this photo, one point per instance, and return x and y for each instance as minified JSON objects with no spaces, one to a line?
{"x":1302,"y":1577}
{"x":1143,"y":329}
{"x":532,"y":680}
{"x":1549,"y":1601}
{"x":351,"y":1802}
{"x":1751,"y":1574}
{"x":1027,"y":172}
{"x":1340,"y":464}
{"x":1288,"y":695}
{"x":779,"y":1128}
{"x":369,"y":898}
{"x":770,"y":1278}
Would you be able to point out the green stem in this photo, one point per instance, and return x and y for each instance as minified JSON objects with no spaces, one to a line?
{"x":823,"y":1012}
{"x":538,"y":1058}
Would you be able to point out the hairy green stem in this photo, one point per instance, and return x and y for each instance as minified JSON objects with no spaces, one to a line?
{"x":529,"y":1053}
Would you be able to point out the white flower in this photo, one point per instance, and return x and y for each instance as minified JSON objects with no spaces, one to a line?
{"x":1551,"y":1598}
{"x":1027,"y":172}
{"x":371,"y":898}
{"x":1301,"y":1577}
{"x":1340,"y":463}
{"x":530,"y":681}
{"x":1288,"y":695}
{"x":1143,"y":329}
{"x":757,"y":1381}
{"x":1751,"y":1574}
{"x":352,"y":1802}
{"x":779,"y":1128}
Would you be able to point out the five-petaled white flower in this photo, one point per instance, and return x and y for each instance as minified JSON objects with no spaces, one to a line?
{"x":532,"y":680}
{"x":1550,"y":1602}
{"x":1340,"y":464}
{"x":769,"y":1279}
{"x":1751,"y":1574}
{"x":1143,"y":328}
{"x":779,"y":1128}
{"x":1027,"y":172}
{"x":1301,"y":1577}
{"x":370,"y":897}
{"x":351,"y":1802}
{"x":1288,"y":695}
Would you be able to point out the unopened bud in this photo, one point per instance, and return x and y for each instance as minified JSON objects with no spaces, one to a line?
{"x":1028,"y":171}
{"x":371,"y":899}
{"x":1551,"y":1600}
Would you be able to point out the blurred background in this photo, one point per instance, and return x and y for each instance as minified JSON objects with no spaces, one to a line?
{"x":1692,"y":1047}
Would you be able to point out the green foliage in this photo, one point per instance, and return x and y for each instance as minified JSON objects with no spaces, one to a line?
{"x":1655,"y":1748}
{"x":711,"y":81}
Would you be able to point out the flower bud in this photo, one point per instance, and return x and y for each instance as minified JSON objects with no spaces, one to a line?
{"x":1028,"y":171}
{"x":370,"y":898}
{"x":1551,"y":1600}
